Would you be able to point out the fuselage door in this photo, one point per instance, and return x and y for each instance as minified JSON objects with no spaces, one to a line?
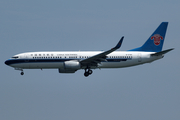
{"x":26,"y":58}
{"x":139,"y":57}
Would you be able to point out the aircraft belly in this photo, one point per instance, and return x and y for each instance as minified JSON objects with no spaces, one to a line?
{"x":128,"y":63}
{"x":44,"y":65}
{"x":122,"y":64}
{"x":116,"y":64}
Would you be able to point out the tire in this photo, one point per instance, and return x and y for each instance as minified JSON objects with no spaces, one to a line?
{"x":86,"y":74}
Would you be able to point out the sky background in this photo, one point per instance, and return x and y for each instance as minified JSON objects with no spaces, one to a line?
{"x":145,"y":92}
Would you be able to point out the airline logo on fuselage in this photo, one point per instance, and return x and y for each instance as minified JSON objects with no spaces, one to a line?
{"x":157,"y":39}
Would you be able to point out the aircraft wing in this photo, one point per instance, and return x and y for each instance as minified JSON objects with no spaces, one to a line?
{"x":92,"y":61}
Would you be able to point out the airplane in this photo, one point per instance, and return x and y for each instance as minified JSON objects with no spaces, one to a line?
{"x":70,"y":62}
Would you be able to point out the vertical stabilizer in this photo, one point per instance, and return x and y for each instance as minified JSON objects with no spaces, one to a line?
{"x":155,"y":41}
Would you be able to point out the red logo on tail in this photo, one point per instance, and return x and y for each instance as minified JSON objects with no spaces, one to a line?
{"x":157,"y":39}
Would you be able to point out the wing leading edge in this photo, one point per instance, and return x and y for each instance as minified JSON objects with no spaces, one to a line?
{"x":92,"y":61}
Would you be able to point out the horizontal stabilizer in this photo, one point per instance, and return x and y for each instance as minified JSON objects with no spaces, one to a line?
{"x":162,"y":52}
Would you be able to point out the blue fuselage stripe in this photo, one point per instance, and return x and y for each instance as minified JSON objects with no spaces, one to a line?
{"x":18,"y":61}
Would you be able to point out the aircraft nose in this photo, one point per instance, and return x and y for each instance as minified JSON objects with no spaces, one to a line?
{"x":7,"y":62}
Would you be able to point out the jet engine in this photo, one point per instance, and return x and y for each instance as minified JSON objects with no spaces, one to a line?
{"x":70,"y":67}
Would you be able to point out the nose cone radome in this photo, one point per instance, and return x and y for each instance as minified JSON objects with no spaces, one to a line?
{"x":7,"y":62}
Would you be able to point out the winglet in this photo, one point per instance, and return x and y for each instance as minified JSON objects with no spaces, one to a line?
{"x":119,"y":43}
{"x":162,"y":52}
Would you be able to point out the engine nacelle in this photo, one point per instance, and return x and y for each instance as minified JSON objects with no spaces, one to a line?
{"x":70,"y":67}
{"x":73,"y":65}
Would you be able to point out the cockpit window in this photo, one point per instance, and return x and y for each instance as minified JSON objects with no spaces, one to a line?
{"x":15,"y":57}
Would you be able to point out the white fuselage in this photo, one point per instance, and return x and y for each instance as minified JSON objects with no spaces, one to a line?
{"x":55,"y":60}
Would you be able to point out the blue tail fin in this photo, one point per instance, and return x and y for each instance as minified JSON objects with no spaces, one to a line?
{"x":155,"y":41}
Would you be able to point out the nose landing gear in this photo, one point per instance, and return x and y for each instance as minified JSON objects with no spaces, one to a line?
{"x":22,"y":73}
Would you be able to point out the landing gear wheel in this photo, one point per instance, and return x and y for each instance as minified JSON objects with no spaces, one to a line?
{"x":22,"y":73}
{"x":86,"y":74}
{"x":90,"y":72}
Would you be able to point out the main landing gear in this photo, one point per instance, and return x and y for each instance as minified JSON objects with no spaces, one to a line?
{"x":88,"y":72}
